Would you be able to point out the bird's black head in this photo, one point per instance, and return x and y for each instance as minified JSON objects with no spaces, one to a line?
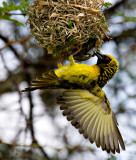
{"x":103,"y":59}
{"x":108,"y":66}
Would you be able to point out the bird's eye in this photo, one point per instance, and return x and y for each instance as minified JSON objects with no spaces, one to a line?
{"x":104,"y":60}
{"x":107,"y":58}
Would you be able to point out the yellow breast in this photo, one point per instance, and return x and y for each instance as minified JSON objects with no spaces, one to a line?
{"x":79,"y":73}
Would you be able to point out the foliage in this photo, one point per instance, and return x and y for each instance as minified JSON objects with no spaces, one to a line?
{"x":107,"y":4}
{"x":126,"y":18}
{"x":111,"y":157}
{"x":7,"y":8}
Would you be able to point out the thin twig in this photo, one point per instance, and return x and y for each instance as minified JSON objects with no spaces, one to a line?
{"x":30,"y":121}
{"x":7,"y":13}
{"x":16,"y":41}
{"x":68,"y":147}
{"x":105,"y":33}
{"x":10,"y":46}
{"x":34,"y":140}
{"x":14,"y":83}
{"x":19,"y":93}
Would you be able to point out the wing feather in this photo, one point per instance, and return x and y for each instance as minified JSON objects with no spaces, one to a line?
{"x":106,"y":135}
{"x":93,"y":117}
{"x":79,"y":106}
{"x":88,"y":117}
{"x":74,"y":102}
{"x":91,"y":124}
{"x":110,"y":133}
{"x":102,"y":142}
{"x":120,"y":138}
{"x":96,"y":125}
{"x":81,"y":114}
{"x":79,"y":109}
{"x":70,"y":117}
{"x":97,"y":137}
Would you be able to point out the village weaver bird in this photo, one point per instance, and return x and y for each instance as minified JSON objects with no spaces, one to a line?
{"x":83,"y":100}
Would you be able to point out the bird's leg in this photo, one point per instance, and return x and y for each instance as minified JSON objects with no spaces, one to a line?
{"x":59,"y":64}
{"x":78,"y":50}
{"x":71,"y":60}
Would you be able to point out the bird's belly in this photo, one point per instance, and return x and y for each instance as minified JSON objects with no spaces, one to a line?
{"x":80,"y":74}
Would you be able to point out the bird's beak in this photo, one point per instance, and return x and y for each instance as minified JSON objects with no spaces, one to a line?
{"x":99,"y":55}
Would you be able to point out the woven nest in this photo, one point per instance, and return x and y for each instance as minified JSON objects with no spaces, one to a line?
{"x":66,"y":27}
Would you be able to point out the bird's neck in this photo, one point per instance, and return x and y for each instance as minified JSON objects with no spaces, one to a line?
{"x":106,"y":73}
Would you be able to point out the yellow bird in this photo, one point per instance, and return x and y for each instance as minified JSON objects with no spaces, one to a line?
{"x":83,"y":100}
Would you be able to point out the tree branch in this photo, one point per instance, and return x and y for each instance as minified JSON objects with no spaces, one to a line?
{"x":10,"y":46}
{"x":30,"y":120}
{"x":8,"y":43}
{"x":7,"y":13}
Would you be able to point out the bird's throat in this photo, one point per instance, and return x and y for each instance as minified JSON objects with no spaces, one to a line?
{"x":106,"y":73}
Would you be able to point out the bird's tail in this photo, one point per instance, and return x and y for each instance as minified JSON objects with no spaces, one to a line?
{"x":46,"y":81}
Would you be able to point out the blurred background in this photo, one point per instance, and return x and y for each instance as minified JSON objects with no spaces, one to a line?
{"x":31,"y":125}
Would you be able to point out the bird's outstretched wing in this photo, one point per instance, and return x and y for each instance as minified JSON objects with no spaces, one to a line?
{"x":93,"y":117}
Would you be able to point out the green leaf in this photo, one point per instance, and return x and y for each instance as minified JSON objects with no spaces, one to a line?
{"x":103,"y":25}
{"x":70,"y":25}
{"x":134,"y":142}
{"x":1,"y":10}
{"x":24,"y":6}
{"x":111,"y":157}
{"x":107,"y":4}
{"x":16,"y":21}
{"x":7,"y":17}
{"x":126,"y":18}
{"x":11,"y":6}
{"x":56,"y":28}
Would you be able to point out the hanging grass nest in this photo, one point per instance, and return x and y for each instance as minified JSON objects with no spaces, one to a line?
{"x":67,"y":27}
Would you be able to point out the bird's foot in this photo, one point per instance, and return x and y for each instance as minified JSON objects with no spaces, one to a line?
{"x":59,"y":64}
{"x":71,"y":60}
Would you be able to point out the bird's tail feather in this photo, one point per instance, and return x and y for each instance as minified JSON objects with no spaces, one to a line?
{"x":46,"y":81}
